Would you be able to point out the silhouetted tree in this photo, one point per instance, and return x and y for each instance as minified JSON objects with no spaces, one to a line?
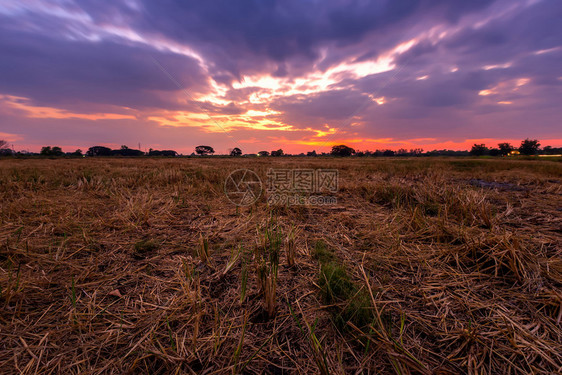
{"x":402,"y":152}
{"x":152,"y":152}
{"x":126,"y":151}
{"x":263,"y":153}
{"x":479,"y":149}
{"x":494,"y":152}
{"x":51,"y":151}
{"x":342,"y":150}
{"x":416,"y":151}
{"x":388,"y":153}
{"x":235,"y":152}
{"x":4,"y":150}
{"x":277,"y":153}
{"x":204,"y":150}
{"x":505,"y":148}
{"x":78,"y":152}
{"x":549,"y":150}
{"x":529,"y":146}
{"x":45,"y":151}
{"x":311,"y":153}
{"x":98,"y":151}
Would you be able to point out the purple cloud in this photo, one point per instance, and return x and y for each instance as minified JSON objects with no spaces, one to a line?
{"x":404,"y":69}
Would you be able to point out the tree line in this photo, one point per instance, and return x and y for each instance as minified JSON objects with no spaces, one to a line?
{"x":527,"y":147}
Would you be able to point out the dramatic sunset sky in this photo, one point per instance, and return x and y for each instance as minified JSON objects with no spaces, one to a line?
{"x":300,"y":75}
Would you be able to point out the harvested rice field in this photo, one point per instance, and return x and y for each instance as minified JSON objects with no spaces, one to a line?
{"x":418,"y":266}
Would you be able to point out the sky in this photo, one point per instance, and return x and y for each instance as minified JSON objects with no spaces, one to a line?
{"x":299,"y":75}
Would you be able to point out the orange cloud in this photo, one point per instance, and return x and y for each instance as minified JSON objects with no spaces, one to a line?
{"x":218,"y":123}
{"x":10,"y":137}
{"x":31,"y":111}
{"x":505,"y":87}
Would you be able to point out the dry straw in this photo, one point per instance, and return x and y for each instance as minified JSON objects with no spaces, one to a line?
{"x":113,"y":266}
